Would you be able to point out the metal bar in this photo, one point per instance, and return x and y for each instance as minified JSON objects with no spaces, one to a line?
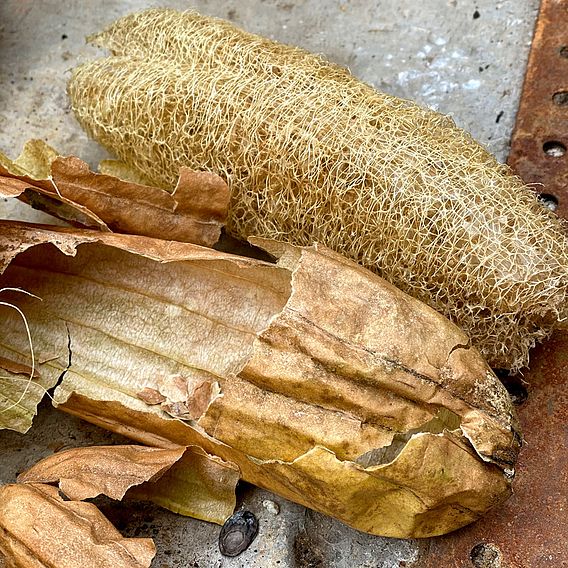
{"x":540,"y":139}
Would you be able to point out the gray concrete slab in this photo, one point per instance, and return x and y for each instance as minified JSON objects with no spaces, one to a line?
{"x":465,"y":58}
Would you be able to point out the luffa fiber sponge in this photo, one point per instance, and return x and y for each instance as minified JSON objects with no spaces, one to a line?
{"x":313,"y":154}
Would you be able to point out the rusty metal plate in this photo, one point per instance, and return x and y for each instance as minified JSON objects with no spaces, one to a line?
{"x":540,"y":140}
{"x":531,"y":529}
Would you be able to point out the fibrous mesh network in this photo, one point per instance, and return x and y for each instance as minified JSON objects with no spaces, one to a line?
{"x":312,"y":154}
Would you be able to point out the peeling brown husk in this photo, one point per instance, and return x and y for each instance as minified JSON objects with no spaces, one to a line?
{"x":318,"y":379}
{"x":194,"y":211}
{"x":184,"y":480}
{"x":38,"y":528}
{"x":84,"y":473}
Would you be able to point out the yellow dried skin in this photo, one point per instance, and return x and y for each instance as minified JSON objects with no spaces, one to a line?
{"x":312,"y":154}
{"x":184,"y":480}
{"x":318,"y":379}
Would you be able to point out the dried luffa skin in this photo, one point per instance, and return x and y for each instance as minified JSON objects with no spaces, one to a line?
{"x":86,"y":472}
{"x":318,"y":379}
{"x":39,"y":529}
{"x":312,"y":154}
{"x":183,"y":480}
{"x":193,"y":211}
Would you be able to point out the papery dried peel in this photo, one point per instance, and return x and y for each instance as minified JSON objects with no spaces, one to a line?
{"x":311,"y":154}
{"x":327,"y":385}
{"x":194,"y":211}
{"x":38,"y":528}
{"x":22,"y":385}
{"x":86,"y":472}
{"x":184,"y":480}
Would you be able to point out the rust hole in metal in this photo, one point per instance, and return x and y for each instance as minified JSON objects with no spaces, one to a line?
{"x":554,"y":149}
{"x":560,"y":98}
{"x":548,"y":200}
{"x":485,"y":555}
{"x":564,"y":51}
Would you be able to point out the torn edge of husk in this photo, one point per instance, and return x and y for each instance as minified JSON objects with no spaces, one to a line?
{"x":66,"y":188}
{"x":185,"y":480}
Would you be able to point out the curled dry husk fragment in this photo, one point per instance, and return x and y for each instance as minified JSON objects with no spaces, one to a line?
{"x":39,"y":528}
{"x":184,"y":480}
{"x":316,"y":378}
{"x":194,"y":211}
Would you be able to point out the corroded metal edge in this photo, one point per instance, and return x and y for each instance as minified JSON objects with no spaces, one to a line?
{"x":539,"y":146}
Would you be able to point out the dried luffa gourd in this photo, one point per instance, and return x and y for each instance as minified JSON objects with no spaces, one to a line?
{"x":311,"y":154}
{"x":318,"y":379}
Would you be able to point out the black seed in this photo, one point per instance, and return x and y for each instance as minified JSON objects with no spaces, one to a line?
{"x":237,"y":533}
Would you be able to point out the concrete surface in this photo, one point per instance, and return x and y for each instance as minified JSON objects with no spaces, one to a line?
{"x":465,"y":58}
